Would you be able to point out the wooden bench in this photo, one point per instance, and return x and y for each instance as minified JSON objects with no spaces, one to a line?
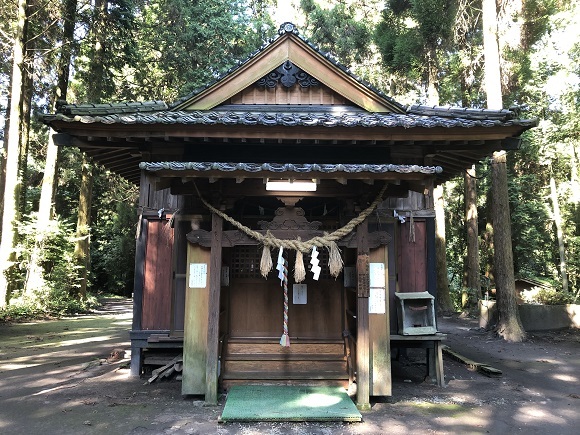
{"x":434,"y":351}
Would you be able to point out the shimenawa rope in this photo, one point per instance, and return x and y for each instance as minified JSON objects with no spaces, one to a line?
{"x":326,"y":241}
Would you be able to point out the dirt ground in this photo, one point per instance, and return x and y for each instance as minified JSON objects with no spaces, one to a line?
{"x":55,"y":379}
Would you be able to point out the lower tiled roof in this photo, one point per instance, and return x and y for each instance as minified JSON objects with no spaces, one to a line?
{"x":289,"y":167}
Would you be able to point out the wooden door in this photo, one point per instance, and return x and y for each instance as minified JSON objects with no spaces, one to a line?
{"x":256,"y":304}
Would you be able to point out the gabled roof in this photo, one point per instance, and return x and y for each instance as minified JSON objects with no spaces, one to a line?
{"x":216,"y":124}
{"x":289,"y":45}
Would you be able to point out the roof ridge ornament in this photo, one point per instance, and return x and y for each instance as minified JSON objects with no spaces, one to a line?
{"x":288,"y":27}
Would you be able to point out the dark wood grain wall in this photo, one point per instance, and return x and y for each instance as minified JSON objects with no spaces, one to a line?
{"x":412,"y":256}
{"x":157,"y":291}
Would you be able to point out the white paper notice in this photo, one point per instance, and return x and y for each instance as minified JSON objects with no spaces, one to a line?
{"x":299,"y":294}
{"x":377,"y":303}
{"x":197,"y":275}
{"x":377,"y":275}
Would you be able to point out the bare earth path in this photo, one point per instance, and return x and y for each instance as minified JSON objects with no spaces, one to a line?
{"x":55,"y":379}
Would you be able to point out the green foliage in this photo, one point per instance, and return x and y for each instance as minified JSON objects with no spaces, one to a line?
{"x":61,"y":279}
{"x":533,"y":244}
{"x":184,"y":45}
{"x":48,"y":305}
{"x":109,"y":46}
{"x":339,"y":30}
{"x":412,"y":34}
{"x":56,"y":255}
{"x":114,"y":226}
{"x":548,"y":296}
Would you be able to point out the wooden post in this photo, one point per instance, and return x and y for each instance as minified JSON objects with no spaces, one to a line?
{"x":139,"y":275}
{"x":138,"y":283}
{"x":363,"y":337}
{"x":211,"y":373}
{"x":195,"y":324}
{"x":431,"y":259}
{"x":379,"y":332}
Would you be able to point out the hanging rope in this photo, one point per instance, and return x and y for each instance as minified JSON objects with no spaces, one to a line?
{"x":412,"y":228}
{"x":324,"y":241}
{"x":285,"y":339}
{"x":299,"y":269}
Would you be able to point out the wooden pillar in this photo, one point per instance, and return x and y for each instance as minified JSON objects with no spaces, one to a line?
{"x":363,"y":336}
{"x":431,"y":262}
{"x":379,"y":329}
{"x":211,"y":372}
{"x":139,"y":274}
{"x":195,"y":321}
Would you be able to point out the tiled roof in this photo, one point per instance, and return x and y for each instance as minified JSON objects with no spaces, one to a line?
{"x":111,"y":108}
{"x":289,"y":167}
{"x":444,"y":118}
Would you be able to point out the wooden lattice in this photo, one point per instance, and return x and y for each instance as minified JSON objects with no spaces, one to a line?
{"x":246,"y":263}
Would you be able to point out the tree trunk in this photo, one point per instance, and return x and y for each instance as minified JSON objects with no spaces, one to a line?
{"x":83,"y":236}
{"x":509,"y":324}
{"x":559,"y":232}
{"x":27,"y":90}
{"x":35,"y":279}
{"x":444,"y":303}
{"x":95,"y":88}
{"x":45,"y":207}
{"x":433,"y":82}
{"x":492,"y":73}
{"x":472,"y":275}
{"x":9,"y":231}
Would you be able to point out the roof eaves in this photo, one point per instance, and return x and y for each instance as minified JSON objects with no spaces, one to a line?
{"x":287,"y":119}
{"x":93,"y":109}
{"x":454,"y":112}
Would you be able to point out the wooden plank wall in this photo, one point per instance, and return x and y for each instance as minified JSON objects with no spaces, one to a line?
{"x":295,"y":95}
{"x":257,"y":309}
{"x":157,"y":285}
{"x":412,"y":261}
{"x":411,"y":265}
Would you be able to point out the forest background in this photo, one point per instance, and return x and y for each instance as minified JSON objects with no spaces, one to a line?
{"x":68,"y":227}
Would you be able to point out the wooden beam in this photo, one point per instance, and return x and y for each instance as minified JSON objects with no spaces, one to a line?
{"x":211,"y":370}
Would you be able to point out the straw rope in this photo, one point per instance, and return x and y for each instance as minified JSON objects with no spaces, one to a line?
{"x":325,"y":241}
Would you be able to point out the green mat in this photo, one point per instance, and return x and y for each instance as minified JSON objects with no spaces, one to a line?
{"x":288,"y":403}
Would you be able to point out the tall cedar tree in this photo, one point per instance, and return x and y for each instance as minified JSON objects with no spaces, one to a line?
{"x":411,"y":37}
{"x":35,"y":279}
{"x":12,"y":182}
{"x":184,"y":45}
{"x":509,"y":324}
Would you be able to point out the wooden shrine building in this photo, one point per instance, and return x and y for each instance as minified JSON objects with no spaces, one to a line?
{"x":287,"y":149}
